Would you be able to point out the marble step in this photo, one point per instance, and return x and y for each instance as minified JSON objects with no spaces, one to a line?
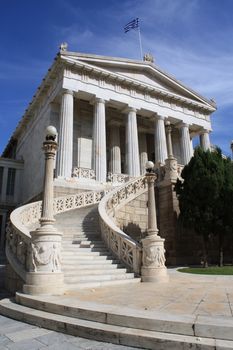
{"x":88,"y":248}
{"x":78,"y":258}
{"x":94,"y":271}
{"x":85,"y":251}
{"x":85,"y":261}
{"x":100,"y":277}
{"x":117,"y":334}
{"x":92,"y":266}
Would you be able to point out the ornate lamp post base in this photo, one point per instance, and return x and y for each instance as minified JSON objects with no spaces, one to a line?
{"x":45,"y":276}
{"x":153,"y":258}
{"x":153,"y":269}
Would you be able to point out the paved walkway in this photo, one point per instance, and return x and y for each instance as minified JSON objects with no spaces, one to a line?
{"x":185,"y":294}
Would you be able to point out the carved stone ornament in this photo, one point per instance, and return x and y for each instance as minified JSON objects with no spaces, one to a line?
{"x":45,"y":256}
{"x":148,"y":57}
{"x":154,"y":256}
{"x":63,"y":46}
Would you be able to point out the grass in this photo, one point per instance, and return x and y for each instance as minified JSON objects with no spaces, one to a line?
{"x":213,"y":270}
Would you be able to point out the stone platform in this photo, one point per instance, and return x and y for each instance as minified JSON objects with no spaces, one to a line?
{"x":191,"y":311}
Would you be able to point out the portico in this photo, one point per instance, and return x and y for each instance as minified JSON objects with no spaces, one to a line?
{"x":103,"y":137}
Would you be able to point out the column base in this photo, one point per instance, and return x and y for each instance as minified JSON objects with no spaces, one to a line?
{"x":153,"y":268}
{"x":38,"y":283}
{"x":153,"y":274}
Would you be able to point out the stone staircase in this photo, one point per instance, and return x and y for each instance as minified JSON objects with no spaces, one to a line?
{"x":86,"y":262}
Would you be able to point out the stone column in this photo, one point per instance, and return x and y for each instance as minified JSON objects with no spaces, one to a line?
{"x":115,"y":149}
{"x":143,"y":152}
{"x":171,"y":162}
{"x":185,"y":143}
{"x":99,"y":138}
{"x":65,"y":152}
{"x":205,"y":140}
{"x":160,"y":140}
{"x":44,"y":258}
{"x":191,"y":147}
{"x":153,"y":258}
{"x":132,"y":150}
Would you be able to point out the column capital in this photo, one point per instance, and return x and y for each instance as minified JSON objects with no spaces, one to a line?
{"x":160,"y":117}
{"x":67,"y":91}
{"x":129,"y":109}
{"x":99,"y":100}
{"x":205,"y":131}
{"x":182,"y":125}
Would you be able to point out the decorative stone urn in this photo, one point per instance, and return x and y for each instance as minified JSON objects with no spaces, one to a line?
{"x":44,"y":260}
{"x":153,"y":257}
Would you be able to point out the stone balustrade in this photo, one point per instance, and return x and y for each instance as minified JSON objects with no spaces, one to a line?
{"x":23,"y":219}
{"x":84,"y":173}
{"x":124,"y":247}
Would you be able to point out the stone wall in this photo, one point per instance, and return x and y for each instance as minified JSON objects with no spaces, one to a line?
{"x":132,"y":217}
{"x":13,"y":282}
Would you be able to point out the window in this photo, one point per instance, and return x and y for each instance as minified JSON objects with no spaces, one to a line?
{"x":1,"y":178}
{"x":10,"y":182}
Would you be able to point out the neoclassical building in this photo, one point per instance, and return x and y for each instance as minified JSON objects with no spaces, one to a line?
{"x":112,"y":115}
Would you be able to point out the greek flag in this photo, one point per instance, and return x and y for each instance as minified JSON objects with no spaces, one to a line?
{"x":134,"y":24}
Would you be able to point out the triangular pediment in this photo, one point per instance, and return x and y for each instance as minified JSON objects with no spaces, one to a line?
{"x":140,"y":72}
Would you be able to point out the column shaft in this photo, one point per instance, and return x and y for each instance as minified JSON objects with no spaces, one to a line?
{"x":132,"y":151}
{"x":205,"y":140}
{"x":143,"y":152}
{"x":99,"y":156}
{"x":65,"y":153}
{"x":115,"y":150}
{"x":185,"y":143}
{"x":160,"y":140}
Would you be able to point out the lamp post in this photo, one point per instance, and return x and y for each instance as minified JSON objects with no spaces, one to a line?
{"x":44,"y":262}
{"x":153,"y":258}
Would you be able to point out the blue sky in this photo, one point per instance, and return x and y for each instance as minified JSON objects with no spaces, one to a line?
{"x":190,"y":39}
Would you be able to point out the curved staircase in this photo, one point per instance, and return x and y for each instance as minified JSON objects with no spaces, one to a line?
{"x":86,"y":262}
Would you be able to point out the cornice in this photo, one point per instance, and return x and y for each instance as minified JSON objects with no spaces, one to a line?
{"x":135,"y":84}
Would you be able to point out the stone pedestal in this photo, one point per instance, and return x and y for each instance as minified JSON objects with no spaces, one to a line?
{"x":153,"y":259}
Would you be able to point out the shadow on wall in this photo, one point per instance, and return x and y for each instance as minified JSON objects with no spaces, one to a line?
{"x":134,"y":231}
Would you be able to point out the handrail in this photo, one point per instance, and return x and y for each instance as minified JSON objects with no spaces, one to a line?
{"x":18,"y":238}
{"x":124,"y":247}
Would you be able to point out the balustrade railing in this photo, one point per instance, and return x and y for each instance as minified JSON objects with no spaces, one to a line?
{"x":83,"y":173}
{"x":118,"y":178}
{"x":124,"y":247}
{"x":18,"y":238}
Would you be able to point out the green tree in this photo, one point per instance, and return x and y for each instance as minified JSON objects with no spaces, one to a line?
{"x":203,"y":196}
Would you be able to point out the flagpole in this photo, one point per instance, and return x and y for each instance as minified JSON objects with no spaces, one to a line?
{"x":140,"y":42}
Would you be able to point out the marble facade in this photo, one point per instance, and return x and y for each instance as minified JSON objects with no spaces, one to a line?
{"x":110,"y":115}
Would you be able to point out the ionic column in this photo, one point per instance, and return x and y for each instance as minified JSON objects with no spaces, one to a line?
{"x":65,"y":152}
{"x":132,"y":151}
{"x":191,"y":147}
{"x":185,"y":143}
{"x":143,"y":152}
{"x":160,"y":140}
{"x":115,"y":149}
{"x":99,"y":156}
{"x":205,"y":140}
